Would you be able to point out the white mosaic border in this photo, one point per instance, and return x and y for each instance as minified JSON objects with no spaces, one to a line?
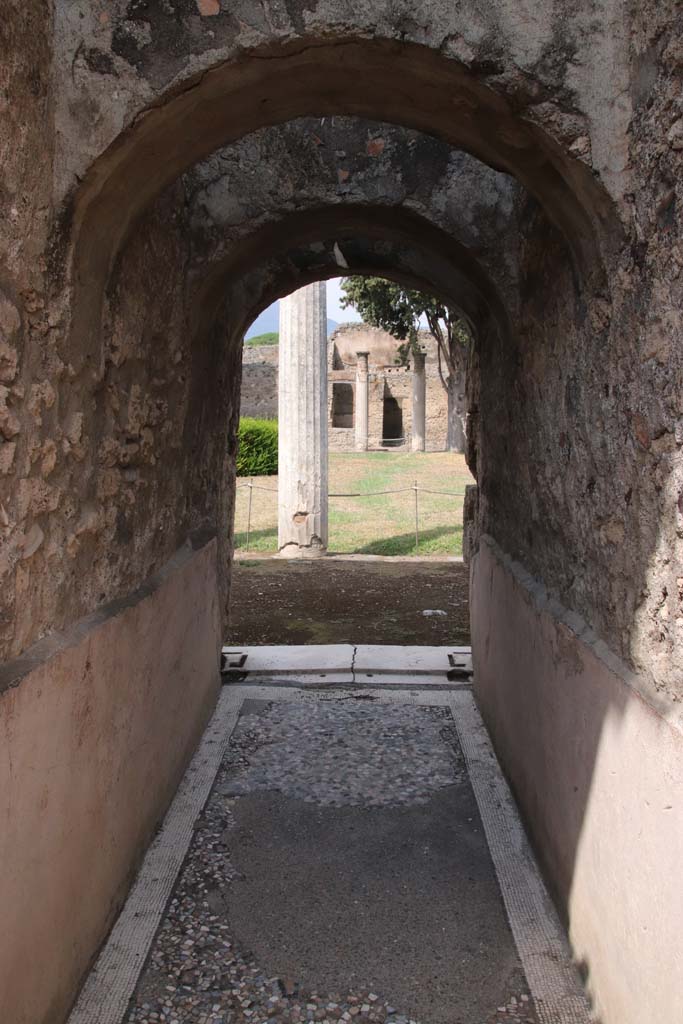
{"x":107,"y":991}
{"x":539,"y":936}
{"x":541,"y":943}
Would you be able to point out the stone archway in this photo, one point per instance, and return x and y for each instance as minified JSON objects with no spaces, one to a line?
{"x":576,"y":591}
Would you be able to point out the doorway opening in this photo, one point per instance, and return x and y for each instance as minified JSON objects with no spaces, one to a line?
{"x":392,"y":421}
{"x":342,"y":405}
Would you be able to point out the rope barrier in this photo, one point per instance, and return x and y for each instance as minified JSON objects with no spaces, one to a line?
{"x":450,"y":494}
{"x":370,"y":494}
{"x":363,"y":494}
{"x":256,"y":487}
{"x":415,"y":488}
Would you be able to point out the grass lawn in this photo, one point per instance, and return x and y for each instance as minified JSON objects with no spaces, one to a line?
{"x":380,"y":525}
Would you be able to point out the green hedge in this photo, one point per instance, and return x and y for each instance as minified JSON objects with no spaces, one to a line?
{"x":257,"y":448}
{"x":269,"y":338}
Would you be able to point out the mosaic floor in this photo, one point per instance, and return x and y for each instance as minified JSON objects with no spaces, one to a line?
{"x":339,"y":871}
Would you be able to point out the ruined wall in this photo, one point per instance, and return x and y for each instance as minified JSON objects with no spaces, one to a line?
{"x":386,"y":378}
{"x":599,"y":128}
{"x":436,"y":414}
{"x":112,"y":451}
{"x":258,"y":390}
{"x":29,"y":367}
{"x":258,"y":394}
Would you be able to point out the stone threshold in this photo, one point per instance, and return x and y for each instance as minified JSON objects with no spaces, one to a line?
{"x":348,"y":665}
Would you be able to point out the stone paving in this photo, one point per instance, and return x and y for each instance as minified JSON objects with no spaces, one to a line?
{"x":333,"y":757}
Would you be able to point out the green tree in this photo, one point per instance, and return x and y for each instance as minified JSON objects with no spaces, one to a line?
{"x":399,"y":311}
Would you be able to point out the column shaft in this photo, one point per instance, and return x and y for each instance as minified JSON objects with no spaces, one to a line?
{"x":361,"y":409}
{"x":419,"y":402}
{"x":302,"y":423}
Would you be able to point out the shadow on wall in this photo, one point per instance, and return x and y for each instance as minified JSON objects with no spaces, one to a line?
{"x":597,"y":772}
{"x":584,"y":751}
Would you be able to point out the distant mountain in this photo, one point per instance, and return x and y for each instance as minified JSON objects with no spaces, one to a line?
{"x":269,"y":320}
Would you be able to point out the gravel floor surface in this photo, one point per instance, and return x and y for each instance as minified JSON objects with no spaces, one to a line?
{"x":334,"y":756}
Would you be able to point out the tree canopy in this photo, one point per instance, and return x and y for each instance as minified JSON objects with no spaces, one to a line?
{"x":399,"y":311}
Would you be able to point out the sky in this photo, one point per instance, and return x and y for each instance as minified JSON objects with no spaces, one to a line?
{"x":268,"y":320}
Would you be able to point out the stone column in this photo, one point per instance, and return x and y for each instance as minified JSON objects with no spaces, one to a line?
{"x":419,"y":402}
{"x":302,"y":424}
{"x":362,"y":402}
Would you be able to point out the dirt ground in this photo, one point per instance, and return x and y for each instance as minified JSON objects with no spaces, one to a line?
{"x":332,"y":601}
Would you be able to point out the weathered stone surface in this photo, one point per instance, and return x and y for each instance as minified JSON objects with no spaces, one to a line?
{"x":129,"y":273}
{"x":258,"y":394}
{"x":302,"y":424}
{"x":419,"y":402}
{"x":615,"y":315}
{"x":361,"y":409}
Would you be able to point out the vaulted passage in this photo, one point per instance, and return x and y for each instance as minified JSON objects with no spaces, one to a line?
{"x":168,"y":171}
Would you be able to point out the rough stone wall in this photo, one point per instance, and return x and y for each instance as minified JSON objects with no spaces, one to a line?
{"x":650,"y":378}
{"x":128,"y":274}
{"x":577,"y":108}
{"x":258,"y":395}
{"x":258,"y":392}
{"x":29,"y":366}
{"x":345,"y":162}
{"x":583,"y":483}
{"x":174,"y":396}
{"x":388,"y":378}
{"x":139,"y":457}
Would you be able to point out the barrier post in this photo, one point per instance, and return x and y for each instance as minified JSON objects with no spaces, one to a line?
{"x":417,"y":536}
{"x":251,"y":491}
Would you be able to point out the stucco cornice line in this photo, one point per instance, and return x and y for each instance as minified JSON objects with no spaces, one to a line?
{"x":12,"y":672}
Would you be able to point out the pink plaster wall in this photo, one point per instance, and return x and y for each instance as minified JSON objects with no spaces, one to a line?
{"x":96,"y":728}
{"x":596,"y":764}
